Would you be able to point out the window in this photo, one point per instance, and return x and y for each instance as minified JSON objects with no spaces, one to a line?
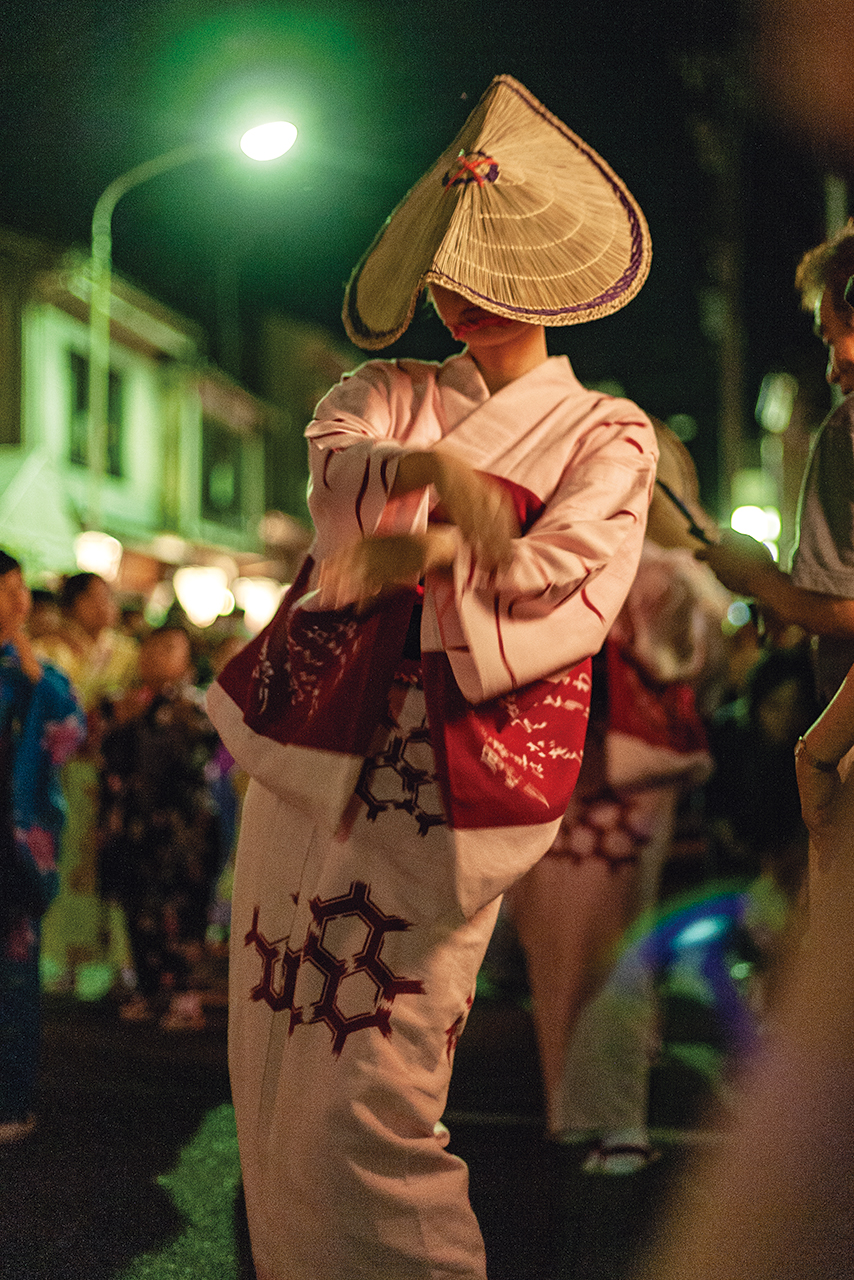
{"x":221,"y":466}
{"x":78,"y":450}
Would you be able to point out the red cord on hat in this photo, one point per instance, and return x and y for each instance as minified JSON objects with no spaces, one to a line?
{"x":468,"y":170}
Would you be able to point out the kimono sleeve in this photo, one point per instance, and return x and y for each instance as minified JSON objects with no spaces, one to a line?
{"x":355,"y":441}
{"x":569,"y":576}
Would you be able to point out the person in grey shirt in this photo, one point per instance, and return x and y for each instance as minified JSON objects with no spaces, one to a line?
{"x":818,"y":593}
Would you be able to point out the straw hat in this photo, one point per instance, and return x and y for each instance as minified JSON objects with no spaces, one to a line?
{"x":518,"y":215}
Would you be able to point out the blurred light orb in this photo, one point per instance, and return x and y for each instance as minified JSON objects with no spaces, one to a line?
{"x":203,"y":593}
{"x":701,"y":931}
{"x":773,"y":525}
{"x":738,"y":614}
{"x":761,"y":523}
{"x":268,"y":141}
{"x":259,"y":599}
{"x":159,"y":603}
{"x":683,"y":426}
{"x":97,"y":552}
{"x":776,"y":402}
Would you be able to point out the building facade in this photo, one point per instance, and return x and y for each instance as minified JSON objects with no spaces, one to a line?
{"x":183,"y":473}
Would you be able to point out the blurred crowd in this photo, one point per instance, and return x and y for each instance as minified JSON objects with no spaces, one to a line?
{"x":688,"y":788}
{"x":152,"y":800}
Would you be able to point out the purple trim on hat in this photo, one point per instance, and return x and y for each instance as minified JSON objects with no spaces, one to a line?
{"x":620,"y":286}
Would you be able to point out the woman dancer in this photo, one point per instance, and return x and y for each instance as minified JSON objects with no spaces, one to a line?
{"x":413,"y":747}
{"x":645,"y":746}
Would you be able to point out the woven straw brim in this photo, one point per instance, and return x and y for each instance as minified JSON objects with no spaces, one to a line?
{"x":538,"y":228}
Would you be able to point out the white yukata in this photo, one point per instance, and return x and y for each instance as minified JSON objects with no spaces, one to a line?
{"x":369,"y":878}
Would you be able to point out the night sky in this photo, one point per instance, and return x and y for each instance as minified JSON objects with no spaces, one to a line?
{"x":89,"y":88}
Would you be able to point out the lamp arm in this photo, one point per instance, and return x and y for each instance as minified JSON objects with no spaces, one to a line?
{"x":110,"y":196}
{"x":99,"y":304}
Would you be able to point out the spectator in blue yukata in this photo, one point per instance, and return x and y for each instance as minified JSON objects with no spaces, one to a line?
{"x":41,"y":724}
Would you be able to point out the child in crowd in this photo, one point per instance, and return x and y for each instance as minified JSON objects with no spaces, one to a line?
{"x":159,"y":832}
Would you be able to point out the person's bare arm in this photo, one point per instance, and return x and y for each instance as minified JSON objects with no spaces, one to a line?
{"x":745,"y":567}
{"x":832,"y":735}
{"x":819,"y":752}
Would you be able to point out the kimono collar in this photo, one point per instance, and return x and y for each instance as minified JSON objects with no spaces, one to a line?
{"x":460,"y":374}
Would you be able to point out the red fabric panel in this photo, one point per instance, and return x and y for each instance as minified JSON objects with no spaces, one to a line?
{"x":511,"y":761}
{"x":664,"y":715}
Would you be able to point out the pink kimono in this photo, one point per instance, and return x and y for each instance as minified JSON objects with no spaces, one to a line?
{"x":394,"y":801}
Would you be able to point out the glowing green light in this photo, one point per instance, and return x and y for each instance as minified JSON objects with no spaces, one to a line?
{"x":761,"y":523}
{"x":269,"y":141}
{"x":776,"y":401}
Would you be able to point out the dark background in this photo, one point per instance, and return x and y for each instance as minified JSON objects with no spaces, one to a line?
{"x":665,"y":90}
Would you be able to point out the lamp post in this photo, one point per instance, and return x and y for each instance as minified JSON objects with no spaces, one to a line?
{"x":266,"y":142}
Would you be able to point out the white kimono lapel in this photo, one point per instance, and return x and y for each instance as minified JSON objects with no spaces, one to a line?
{"x":518,"y":420}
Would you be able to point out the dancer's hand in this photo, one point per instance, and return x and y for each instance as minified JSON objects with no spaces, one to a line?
{"x":478,"y":505}
{"x":481,"y":509}
{"x":376,"y":567}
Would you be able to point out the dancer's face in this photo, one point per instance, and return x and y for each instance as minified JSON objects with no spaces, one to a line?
{"x":472,"y":324}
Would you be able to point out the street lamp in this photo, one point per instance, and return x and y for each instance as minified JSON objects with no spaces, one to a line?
{"x":265,"y":142}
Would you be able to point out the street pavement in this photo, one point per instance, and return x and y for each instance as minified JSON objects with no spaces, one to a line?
{"x":132,"y":1172}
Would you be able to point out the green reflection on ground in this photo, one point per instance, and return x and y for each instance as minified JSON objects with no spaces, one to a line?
{"x":202,"y":1185}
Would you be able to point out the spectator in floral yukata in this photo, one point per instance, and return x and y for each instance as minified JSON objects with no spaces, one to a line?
{"x":160,"y":842}
{"x":80,"y":932}
{"x":41,"y":724}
